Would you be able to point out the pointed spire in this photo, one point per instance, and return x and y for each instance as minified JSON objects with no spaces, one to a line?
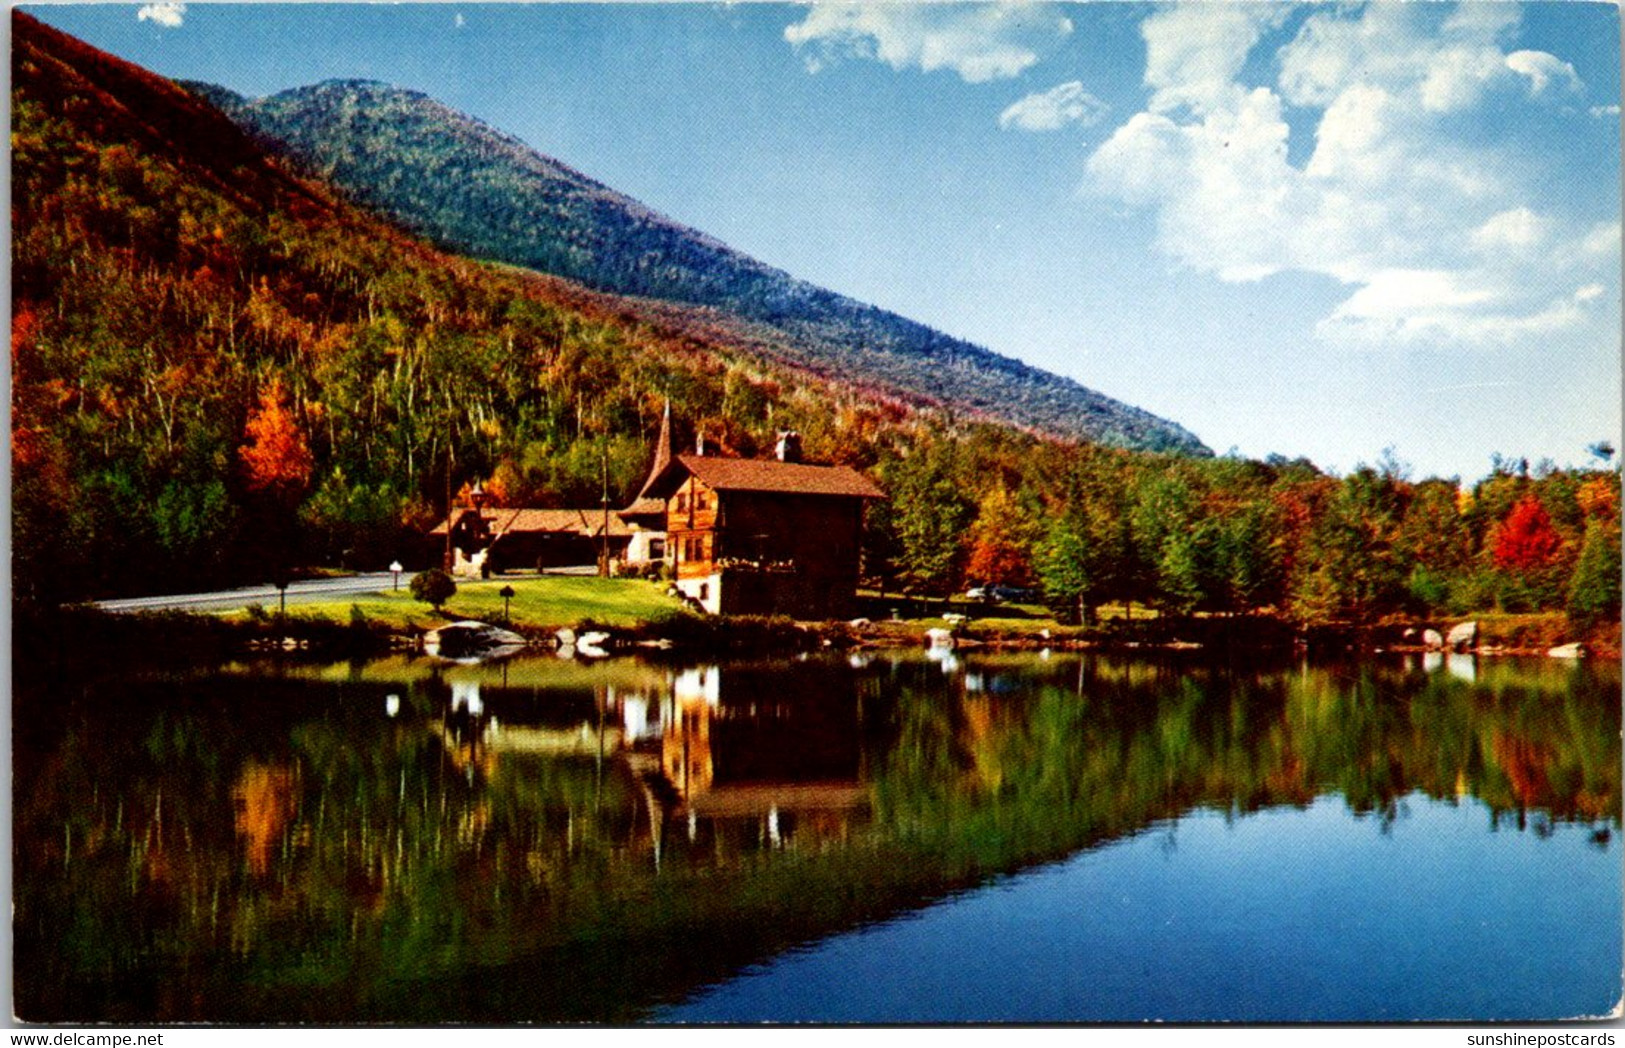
{"x":662,"y":450}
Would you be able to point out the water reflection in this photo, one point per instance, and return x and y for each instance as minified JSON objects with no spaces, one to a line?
{"x":399,"y":840}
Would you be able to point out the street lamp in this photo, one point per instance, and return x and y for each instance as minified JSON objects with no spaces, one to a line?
{"x":506,"y":593}
{"x":395,"y":570}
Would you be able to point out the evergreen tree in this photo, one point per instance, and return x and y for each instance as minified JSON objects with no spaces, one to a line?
{"x":1594,"y":591}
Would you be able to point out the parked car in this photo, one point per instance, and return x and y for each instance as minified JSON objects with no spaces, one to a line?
{"x":976,"y":593}
{"x":1013,"y":594}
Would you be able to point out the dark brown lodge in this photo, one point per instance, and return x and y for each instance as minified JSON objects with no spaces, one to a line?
{"x":764,"y":537}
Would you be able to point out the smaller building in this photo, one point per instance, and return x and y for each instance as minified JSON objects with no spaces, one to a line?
{"x":485,"y":540}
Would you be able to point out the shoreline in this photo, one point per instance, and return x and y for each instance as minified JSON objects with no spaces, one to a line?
{"x":61,"y":637}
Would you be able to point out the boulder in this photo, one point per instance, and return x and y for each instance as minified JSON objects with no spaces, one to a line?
{"x":939,"y":638}
{"x":1575,"y":650}
{"x":469,"y":639}
{"x":1462,"y":636}
{"x":1431,"y":640}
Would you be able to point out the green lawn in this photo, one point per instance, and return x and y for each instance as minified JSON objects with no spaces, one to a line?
{"x":549,"y":601}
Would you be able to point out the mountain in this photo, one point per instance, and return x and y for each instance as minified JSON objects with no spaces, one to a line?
{"x":478,"y":191}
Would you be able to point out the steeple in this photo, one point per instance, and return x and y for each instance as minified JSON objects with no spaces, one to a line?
{"x":662,"y":451}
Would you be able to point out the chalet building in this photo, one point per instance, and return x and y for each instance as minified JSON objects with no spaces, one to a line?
{"x":764,"y":537}
{"x":742,"y":536}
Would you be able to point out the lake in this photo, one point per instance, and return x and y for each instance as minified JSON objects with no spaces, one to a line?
{"x":875,"y":837}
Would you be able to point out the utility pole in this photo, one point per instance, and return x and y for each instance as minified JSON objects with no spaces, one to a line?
{"x":447,"y":565}
{"x":603,"y":556}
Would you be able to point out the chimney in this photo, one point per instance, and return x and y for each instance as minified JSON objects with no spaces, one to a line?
{"x":789,"y":446}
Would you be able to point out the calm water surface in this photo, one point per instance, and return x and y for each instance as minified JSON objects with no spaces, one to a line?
{"x":842,"y":839}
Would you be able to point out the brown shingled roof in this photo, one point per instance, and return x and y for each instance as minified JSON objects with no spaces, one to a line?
{"x":517,"y":521}
{"x":644,"y":507}
{"x":792,"y":478}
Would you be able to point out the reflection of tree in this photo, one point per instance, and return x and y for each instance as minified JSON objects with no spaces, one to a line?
{"x":263,"y":799}
{"x":389,"y":874}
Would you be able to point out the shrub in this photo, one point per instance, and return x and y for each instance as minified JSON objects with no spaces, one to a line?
{"x":433,"y":587}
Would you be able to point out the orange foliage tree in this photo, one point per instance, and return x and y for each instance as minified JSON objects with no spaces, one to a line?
{"x":999,"y":550}
{"x":276,"y":459}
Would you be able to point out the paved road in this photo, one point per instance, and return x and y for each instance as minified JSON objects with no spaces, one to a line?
{"x":303,"y":591}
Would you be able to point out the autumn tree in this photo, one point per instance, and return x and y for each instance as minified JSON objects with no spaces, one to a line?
{"x":276,"y":458}
{"x":1086,"y":556}
{"x":1000,"y":548}
{"x":1351,"y":566}
{"x":929,"y":512}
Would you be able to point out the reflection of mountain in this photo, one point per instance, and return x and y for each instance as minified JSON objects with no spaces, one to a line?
{"x":281,"y":845}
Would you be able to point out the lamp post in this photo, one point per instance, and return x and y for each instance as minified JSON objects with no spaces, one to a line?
{"x":280,"y":577}
{"x":506,"y":593}
{"x":395,"y":570}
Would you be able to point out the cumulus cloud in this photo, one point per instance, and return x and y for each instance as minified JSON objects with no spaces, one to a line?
{"x":979,"y":42}
{"x":1052,"y":110}
{"x":1436,"y":236}
{"x":1543,"y":69}
{"x":167,"y":14}
{"x":1604,"y":111}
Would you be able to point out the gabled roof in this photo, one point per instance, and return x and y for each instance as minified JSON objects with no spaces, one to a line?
{"x":645,"y":507}
{"x":549,"y":521}
{"x":789,"y":478}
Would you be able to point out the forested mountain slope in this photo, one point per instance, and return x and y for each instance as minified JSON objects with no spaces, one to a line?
{"x":221,"y":366}
{"x":476,"y":190}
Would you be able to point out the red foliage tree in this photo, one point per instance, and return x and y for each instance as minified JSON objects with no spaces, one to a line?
{"x":1526,"y":540}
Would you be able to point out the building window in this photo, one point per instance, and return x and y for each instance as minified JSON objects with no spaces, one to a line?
{"x":705,"y":591}
{"x":682,"y":503}
{"x":657,"y":549}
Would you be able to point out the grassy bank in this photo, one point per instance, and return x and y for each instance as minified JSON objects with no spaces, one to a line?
{"x":538,"y":604}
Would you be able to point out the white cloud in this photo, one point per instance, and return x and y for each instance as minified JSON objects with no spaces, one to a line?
{"x":1602,"y":239}
{"x":1542,"y":69}
{"x":167,"y":13}
{"x":1404,"y":307}
{"x":1052,"y":110}
{"x":459,"y":21}
{"x":979,"y":42}
{"x":1602,"y":111}
{"x":1438,"y":237}
{"x":1194,"y":52}
{"x":1517,"y":228}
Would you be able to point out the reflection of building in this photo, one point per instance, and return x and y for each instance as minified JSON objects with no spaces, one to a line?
{"x":755,"y":537}
{"x":759,"y":744}
{"x":685,"y":745}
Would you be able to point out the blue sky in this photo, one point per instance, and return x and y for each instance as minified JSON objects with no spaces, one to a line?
{"x":1317,"y":230}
